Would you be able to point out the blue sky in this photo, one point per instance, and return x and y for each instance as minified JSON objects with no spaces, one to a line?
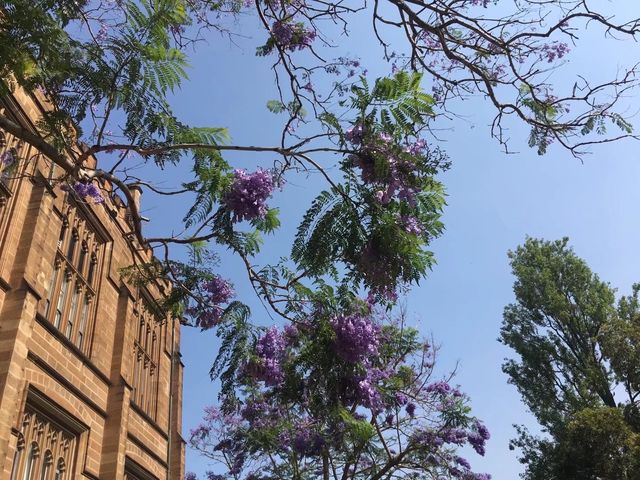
{"x":494,"y":201}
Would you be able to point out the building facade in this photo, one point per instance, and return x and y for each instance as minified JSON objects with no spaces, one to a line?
{"x":90,"y":371}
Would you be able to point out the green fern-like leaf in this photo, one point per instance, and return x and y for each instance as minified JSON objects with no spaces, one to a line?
{"x":237,"y":336}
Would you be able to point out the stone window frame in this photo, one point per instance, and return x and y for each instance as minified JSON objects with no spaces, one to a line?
{"x":134,"y":471}
{"x":8,"y":180}
{"x":48,"y":441}
{"x":71,"y":298}
{"x":9,"y":143}
{"x":146,"y":355}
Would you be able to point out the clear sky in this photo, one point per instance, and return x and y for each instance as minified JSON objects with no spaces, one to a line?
{"x":494,"y":202}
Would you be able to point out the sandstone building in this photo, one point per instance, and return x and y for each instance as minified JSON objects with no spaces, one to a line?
{"x":90,"y":371}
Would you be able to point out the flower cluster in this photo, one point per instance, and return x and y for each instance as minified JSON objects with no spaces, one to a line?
{"x":258,"y":414}
{"x":292,"y":36}
{"x":270,"y":351}
{"x":248,"y":193}
{"x":552,"y":51}
{"x":336,"y":68}
{"x":218,"y":290}
{"x":416,"y":148}
{"x":291,"y":333}
{"x":103,"y":32}
{"x":201,"y":431}
{"x":411,"y":409}
{"x":368,"y":393}
{"x":6,"y":158}
{"x":224,"y":429}
{"x":308,"y":442}
{"x":85,"y":191}
{"x":356,"y":337}
{"x":215,"y":292}
{"x":483,"y":3}
{"x":455,"y":466}
{"x":380,"y":269}
{"x":397,"y":172}
{"x":478,"y":437}
{"x":355,"y":134}
{"x":443,"y":388}
{"x":411,"y":224}
{"x":383,"y":165}
{"x":215,"y":476}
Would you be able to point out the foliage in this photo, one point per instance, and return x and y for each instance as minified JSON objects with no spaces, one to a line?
{"x":620,"y":342}
{"x":361,"y":222}
{"x":561,"y":308}
{"x":574,"y":351}
{"x":598,"y":443}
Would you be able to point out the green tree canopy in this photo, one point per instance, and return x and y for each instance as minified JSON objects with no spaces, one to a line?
{"x":573,"y":367}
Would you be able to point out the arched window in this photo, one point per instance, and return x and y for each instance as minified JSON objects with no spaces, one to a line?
{"x":60,"y":469}
{"x":83,"y":321}
{"x":141,"y":331}
{"x":63,"y":232}
{"x":154,"y":343}
{"x":17,"y":457}
{"x":92,"y":268}
{"x":146,"y":338}
{"x":47,"y":465}
{"x":72,"y":245}
{"x":8,"y":164}
{"x":83,"y":255}
{"x":62,"y":296}
{"x":73,"y":311}
{"x":32,"y":462}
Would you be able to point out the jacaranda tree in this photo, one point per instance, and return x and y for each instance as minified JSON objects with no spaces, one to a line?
{"x":107,"y":69}
{"x":342,"y":395}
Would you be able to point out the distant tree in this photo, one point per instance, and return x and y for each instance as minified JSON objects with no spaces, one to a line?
{"x":573,"y":367}
{"x":348,"y":394}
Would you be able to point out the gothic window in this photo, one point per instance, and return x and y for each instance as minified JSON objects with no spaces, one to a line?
{"x":46,"y":466}
{"x":60,"y":470}
{"x":146,"y":354}
{"x":17,"y":457}
{"x":9,"y":147}
{"x":32,"y":462}
{"x":8,"y":164}
{"x":44,"y":448}
{"x":72,"y":291}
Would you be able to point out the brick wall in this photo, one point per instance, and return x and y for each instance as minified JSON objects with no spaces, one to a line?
{"x":85,"y":391}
